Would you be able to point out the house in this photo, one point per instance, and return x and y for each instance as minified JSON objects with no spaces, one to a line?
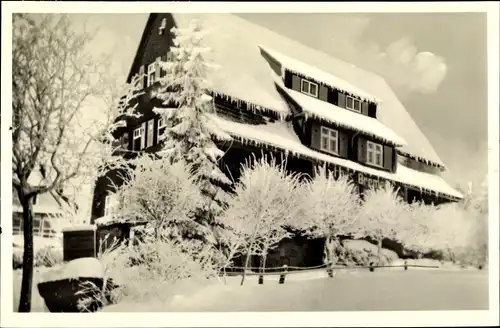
{"x":273,"y":93}
{"x":50,"y":212}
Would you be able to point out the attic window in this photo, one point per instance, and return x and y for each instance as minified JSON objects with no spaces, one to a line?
{"x":309,"y":88}
{"x":162,"y":27}
{"x":353,"y":104}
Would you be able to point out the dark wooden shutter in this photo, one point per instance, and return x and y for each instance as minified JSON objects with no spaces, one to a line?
{"x":364,"y":108}
{"x":341,"y":100}
{"x":296,"y":83}
{"x":333,"y":96}
{"x":394,"y":161}
{"x":323,"y":93}
{"x":388,"y":157}
{"x":315,"y":136}
{"x":343,"y":144}
{"x":361,"y":149}
{"x":288,"y":79}
{"x":372,"y":110}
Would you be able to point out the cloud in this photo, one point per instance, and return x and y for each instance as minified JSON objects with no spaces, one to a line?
{"x":418,"y":71}
{"x":401,"y":63}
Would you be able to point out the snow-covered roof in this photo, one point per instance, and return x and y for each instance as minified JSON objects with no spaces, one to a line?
{"x":244,"y":75}
{"x":318,"y":75}
{"x":41,"y":208}
{"x":342,"y":117}
{"x":280,"y":135}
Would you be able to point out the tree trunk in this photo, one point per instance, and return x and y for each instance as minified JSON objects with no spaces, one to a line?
{"x":247,"y":259}
{"x":263,"y":260}
{"x":28,"y":256}
{"x":329,"y":249}
{"x":379,"y":251}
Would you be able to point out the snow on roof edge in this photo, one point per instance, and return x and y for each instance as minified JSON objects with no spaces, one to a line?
{"x":346,"y":88}
{"x":452,"y":195}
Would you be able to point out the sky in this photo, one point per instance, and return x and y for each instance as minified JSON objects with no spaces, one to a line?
{"x":435,"y":63}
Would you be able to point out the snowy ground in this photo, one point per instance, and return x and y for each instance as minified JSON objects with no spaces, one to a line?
{"x":363,"y":291}
{"x":350,"y":290}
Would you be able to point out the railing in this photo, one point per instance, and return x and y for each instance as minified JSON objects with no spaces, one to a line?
{"x":285,"y":270}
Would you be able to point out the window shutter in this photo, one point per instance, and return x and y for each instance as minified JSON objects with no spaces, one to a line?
{"x":332,"y":97}
{"x":372,"y":110}
{"x":394,"y":161}
{"x":388,"y":157}
{"x":157,"y":68}
{"x":361,"y":149}
{"x":343,"y":144}
{"x":288,"y":79}
{"x":341,"y":100}
{"x":296,"y":81}
{"x":323,"y":93}
{"x":143,"y":135}
{"x":364,"y":108}
{"x":141,"y":74}
{"x":316,"y":136}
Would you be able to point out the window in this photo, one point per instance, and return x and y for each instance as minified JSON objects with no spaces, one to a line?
{"x":374,"y":154}
{"x":151,"y":127}
{"x":329,"y":140}
{"x":161,"y":127}
{"x":37,"y":225}
{"x":137,"y":133}
{"x":353,"y":104}
{"x":309,"y":88}
{"x":151,"y":74}
{"x":110,"y":204}
{"x":170,"y":56}
{"x":138,"y":138}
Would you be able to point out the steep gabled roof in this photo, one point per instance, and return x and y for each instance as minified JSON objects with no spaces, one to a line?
{"x":244,"y":74}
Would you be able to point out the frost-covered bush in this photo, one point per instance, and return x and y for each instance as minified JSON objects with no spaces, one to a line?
{"x":151,"y":269}
{"x":47,"y":256}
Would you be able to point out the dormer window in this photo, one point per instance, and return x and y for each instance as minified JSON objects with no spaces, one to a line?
{"x":329,"y":140}
{"x":374,"y":154}
{"x":309,"y":88}
{"x":162,"y":27}
{"x":353,"y":104}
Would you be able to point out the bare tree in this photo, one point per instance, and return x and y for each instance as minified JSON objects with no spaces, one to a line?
{"x":54,"y":80}
{"x":265,"y":202}
{"x":333,"y":206}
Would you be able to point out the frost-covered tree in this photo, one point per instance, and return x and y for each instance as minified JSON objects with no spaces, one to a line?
{"x":332,"y":206}
{"x":417,"y":231}
{"x":265,"y":202}
{"x":379,"y":214}
{"x":454,"y":229}
{"x":186,"y":106}
{"x":54,"y":81}
{"x":161,"y":194}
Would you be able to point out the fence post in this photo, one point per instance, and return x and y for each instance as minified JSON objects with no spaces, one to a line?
{"x":329,"y":269}
{"x":261,"y":279}
{"x":371,"y":267}
{"x":406,"y":265}
{"x":283,"y":274}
